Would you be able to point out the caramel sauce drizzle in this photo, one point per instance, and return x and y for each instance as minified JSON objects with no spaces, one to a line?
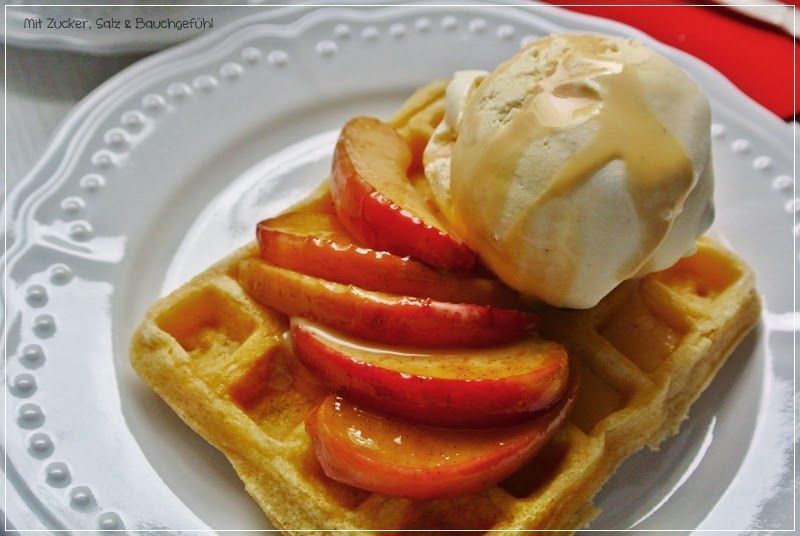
{"x":659,"y":172}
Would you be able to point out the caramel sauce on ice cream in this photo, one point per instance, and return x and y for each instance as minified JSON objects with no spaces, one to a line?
{"x":579,"y":163}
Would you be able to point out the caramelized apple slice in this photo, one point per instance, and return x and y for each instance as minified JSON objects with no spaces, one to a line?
{"x":453,"y":388}
{"x":382,"y":317}
{"x":379,"y":454}
{"x":315,"y":243}
{"x":379,"y":206}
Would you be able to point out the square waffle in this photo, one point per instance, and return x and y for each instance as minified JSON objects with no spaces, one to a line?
{"x":645,"y":353}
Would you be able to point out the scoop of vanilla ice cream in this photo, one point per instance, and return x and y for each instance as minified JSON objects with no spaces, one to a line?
{"x":581,"y":162}
{"x":436,"y":157}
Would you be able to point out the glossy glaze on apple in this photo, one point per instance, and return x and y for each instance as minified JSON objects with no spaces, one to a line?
{"x":452,"y":388}
{"x":378,"y":205}
{"x":316,"y":244}
{"x":381,"y":317}
{"x":384,"y":455}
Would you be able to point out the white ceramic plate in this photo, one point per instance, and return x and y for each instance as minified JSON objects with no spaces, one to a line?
{"x":167,"y":168}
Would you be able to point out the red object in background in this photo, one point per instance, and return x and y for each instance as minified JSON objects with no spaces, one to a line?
{"x":755,"y":56}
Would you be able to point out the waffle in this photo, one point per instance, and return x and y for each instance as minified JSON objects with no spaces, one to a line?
{"x":645,"y":353}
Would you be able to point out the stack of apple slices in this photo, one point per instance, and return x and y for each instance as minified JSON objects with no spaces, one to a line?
{"x":441,"y":386}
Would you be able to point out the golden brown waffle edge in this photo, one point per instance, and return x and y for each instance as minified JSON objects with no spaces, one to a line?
{"x":645,"y":353}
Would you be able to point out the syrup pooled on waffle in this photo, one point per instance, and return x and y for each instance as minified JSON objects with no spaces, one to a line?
{"x":221,"y":360}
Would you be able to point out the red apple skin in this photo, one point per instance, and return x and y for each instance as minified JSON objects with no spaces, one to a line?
{"x":315,"y":244}
{"x":382,"y":317}
{"x":525,"y":377}
{"x":367,"y":151}
{"x":382,"y":455}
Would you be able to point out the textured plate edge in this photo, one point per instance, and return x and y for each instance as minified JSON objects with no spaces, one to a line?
{"x":57,"y":151}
